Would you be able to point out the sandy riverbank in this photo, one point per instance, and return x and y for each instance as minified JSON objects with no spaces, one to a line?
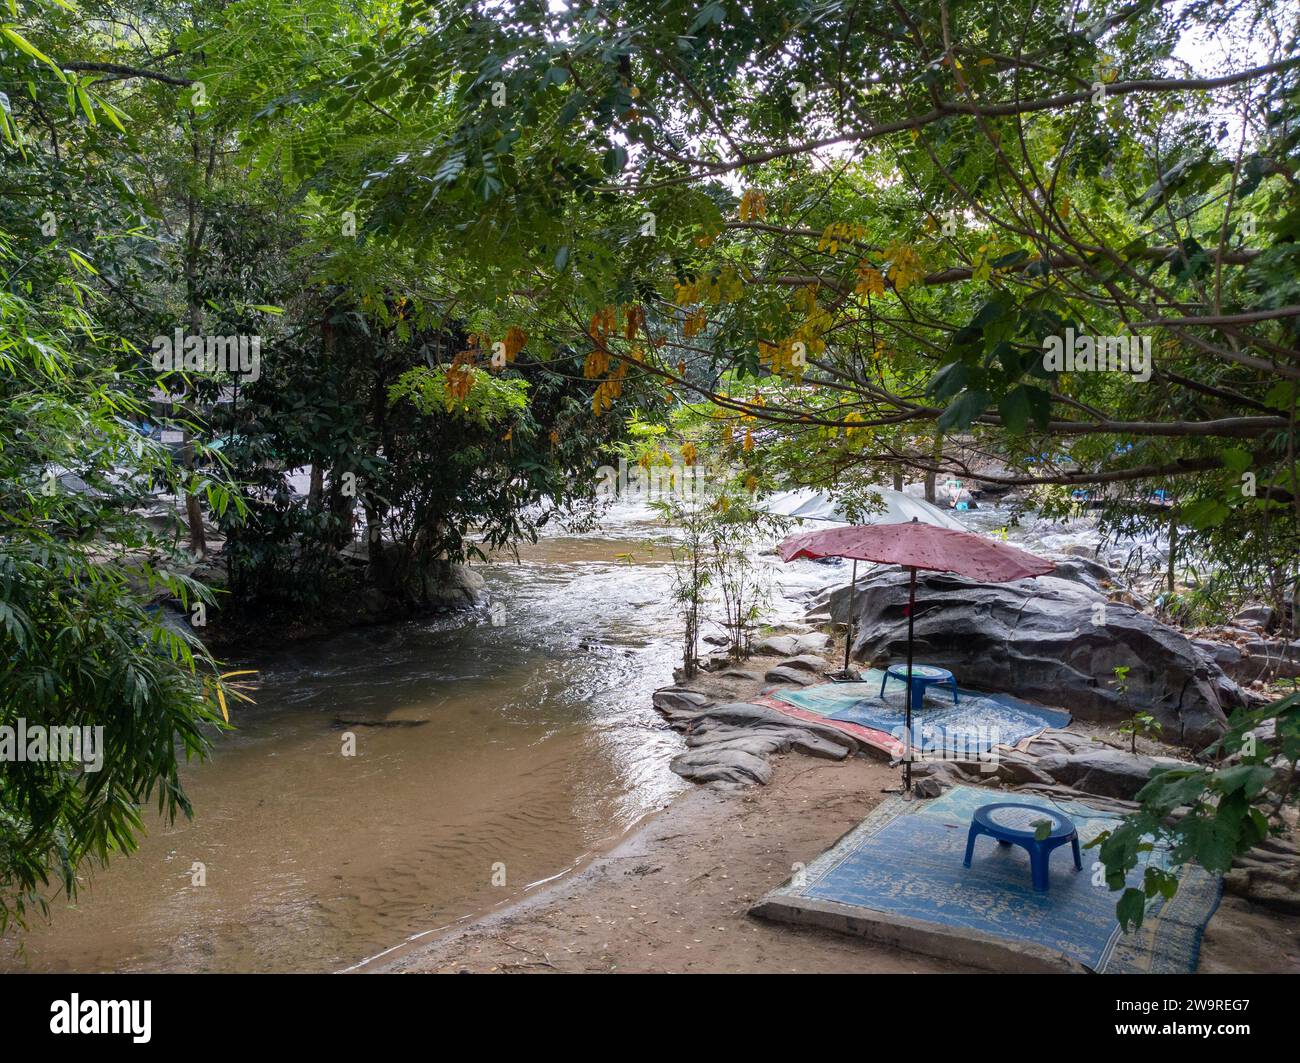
{"x":674,"y":895}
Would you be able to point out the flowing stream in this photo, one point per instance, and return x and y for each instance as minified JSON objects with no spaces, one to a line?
{"x":488,"y":760}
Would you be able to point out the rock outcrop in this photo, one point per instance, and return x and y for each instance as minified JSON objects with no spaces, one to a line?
{"x":729,"y":744}
{"x":1053,"y":640}
{"x":1248,"y":658}
{"x":1057,"y":762}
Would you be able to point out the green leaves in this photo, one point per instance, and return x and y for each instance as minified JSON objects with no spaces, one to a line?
{"x":1189,"y":260}
{"x":1189,"y":176}
{"x":80,"y":646}
{"x":1205,"y":513}
{"x":1023,"y":404}
{"x":614,"y":160}
{"x":1131,"y":908}
{"x":963,"y":410}
{"x":991,"y":331}
{"x":1208,"y":816}
{"x":10,"y":33}
{"x":489,"y":400}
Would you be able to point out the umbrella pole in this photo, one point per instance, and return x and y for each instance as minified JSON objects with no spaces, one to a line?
{"x":907,"y":727}
{"x":848,"y":638}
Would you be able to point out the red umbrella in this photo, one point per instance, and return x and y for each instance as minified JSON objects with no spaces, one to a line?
{"x":914,"y":545}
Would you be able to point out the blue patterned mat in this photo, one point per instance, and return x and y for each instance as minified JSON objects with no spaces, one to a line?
{"x":906,"y":858}
{"x":977,"y":723}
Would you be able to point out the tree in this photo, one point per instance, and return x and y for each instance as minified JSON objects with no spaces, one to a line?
{"x":868,"y":254}
{"x":81,"y":645}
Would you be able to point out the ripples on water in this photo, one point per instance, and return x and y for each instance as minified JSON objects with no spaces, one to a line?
{"x":526,"y":745}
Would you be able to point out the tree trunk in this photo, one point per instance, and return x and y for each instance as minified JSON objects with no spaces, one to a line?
{"x":193,"y":511}
{"x":196,"y":226}
{"x":937,"y":455}
{"x":317,"y":487}
{"x":1173,"y":550}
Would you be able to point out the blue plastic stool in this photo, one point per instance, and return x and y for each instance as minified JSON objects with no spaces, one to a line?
{"x":923,"y":675}
{"x":1013,"y":824}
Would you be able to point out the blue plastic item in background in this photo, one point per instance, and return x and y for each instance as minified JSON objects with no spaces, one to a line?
{"x":923,"y":675}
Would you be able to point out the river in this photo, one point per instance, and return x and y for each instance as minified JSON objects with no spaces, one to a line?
{"x":488,"y":759}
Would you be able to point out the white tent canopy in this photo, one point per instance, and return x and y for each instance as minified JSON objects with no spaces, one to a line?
{"x":898,"y":508}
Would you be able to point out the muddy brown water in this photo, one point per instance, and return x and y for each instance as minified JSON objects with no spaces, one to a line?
{"x":489,"y":759}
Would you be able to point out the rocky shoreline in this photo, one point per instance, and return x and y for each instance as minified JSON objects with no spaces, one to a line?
{"x":676,"y":893}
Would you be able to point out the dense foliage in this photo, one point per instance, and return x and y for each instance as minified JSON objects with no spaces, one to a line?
{"x":836,"y":242}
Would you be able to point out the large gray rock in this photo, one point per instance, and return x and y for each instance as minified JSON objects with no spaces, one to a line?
{"x":813,"y":642}
{"x":1272,"y":657}
{"x":440,"y":584}
{"x":762,"y":741}
{"x":786,"y":676}
{"x":1255,"y":658}
{"x":1038,"y":639}
{"x":1108,"y":772}
{"x":727,"y":745}
{"x":746,"y":714}
{"x":1224,"y":655}
{"x":721,"y":765}
{"x":676,"y":700}
{"x":1256,"y":614}
{"x":805,"y":662}
{"x":747,"y":675}
{"x":777,"y":646}
{"x":1090,"y":573}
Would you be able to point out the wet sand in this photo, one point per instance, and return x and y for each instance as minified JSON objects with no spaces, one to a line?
{"x":674,"y":896}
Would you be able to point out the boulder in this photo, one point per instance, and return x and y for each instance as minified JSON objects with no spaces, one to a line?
{"x":761,"y":741}
{"x":1271,"y":657}
{"x":813,"y":642}
{"x":1040,"y":639}
{"x":745,"y":714}
{"x":721,"y":765}
{"x":777,"y":646}
{"x":746,"y":674}
{"x":439,"y":584}
{"x":755,"y":741}
{"x":930,"y":786}
{"x":1107,"y":772}
{"x":1090,"y":573}
{"x":671,"y":699}
{"x":459,"y":587}
{"x":1262,"y":615}
{"x":806,"y":662}
{"x":785,"y":676}
{"x":727,"y":744}
{"x":1224,"y":654}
